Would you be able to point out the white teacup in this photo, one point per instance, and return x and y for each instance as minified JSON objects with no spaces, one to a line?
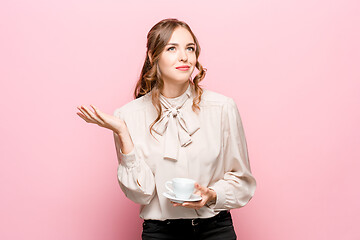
{"x":181,"y":187}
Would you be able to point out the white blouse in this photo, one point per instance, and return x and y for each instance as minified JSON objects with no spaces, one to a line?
{"x":209,"y":147}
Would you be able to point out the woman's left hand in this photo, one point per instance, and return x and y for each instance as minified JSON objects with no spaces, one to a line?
{"x":207,"y":195}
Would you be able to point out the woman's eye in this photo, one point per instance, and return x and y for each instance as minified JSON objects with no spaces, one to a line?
{"x":191,"y":48}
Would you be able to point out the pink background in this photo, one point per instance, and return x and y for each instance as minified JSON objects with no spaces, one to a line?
{"x":291,"y":66}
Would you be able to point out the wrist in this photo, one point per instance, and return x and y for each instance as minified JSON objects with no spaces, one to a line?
{"x":213,"y":196}
{"x":123,"y":134}
{"x":126,"y":143}
{"x":118,"y":131}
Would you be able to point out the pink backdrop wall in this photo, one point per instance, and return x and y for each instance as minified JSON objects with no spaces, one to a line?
{"x":291,"y":66}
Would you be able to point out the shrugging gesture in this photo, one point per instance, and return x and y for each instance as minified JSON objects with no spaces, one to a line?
{"x":111,"y":122}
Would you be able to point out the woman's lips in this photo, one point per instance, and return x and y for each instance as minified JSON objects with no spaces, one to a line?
{"x":183,"y":68}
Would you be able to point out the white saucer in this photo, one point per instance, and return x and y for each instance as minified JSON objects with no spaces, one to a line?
{"x":172,"y":197}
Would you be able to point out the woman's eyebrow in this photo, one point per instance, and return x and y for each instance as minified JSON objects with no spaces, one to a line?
{"x":176,"y":44}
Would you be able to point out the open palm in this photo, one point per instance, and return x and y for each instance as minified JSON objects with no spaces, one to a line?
{"x":102,"y":119}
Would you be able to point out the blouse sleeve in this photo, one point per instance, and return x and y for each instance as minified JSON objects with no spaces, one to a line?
{"x":135,"y":177}
{"x":238,"y":185}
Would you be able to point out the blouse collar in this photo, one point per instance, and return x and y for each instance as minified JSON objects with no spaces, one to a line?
{"x":177,"y":122}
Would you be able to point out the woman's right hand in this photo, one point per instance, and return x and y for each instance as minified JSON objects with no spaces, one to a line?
{"x":103,"y":120}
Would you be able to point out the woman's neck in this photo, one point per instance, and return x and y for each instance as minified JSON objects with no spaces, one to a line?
{"x":174,"y":90}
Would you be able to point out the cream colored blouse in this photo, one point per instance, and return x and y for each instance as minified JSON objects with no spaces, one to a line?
{"x":209,"y":147}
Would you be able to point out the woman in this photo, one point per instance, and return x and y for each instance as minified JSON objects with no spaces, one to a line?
{"x":174,"y":128}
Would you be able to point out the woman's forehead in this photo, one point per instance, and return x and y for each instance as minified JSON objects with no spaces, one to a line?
{"x":181,"y":36}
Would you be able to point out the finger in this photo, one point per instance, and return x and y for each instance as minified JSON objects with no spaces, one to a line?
{"x":89,"y":115}
{"x":83,"y":117}
{"x":84,"y":112}
{"x":175,"y":204}
{"x":200,"y":188}
{"x":98,"y":113}
{"x":93,"y":116}
{"x":197,"y":204}
{"x":204,"y":191}
{"x":87,"y":112}
{"x":191,"y":204}
{"x":194,"y":205}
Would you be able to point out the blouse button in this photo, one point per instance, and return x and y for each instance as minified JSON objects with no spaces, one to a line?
{"x":173,"y":112}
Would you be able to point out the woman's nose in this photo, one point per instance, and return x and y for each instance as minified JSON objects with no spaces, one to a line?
{"x":183,"y":56}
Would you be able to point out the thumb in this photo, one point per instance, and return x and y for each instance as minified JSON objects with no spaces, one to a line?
{"x":199,"y":187}
{"x":197,"y":190}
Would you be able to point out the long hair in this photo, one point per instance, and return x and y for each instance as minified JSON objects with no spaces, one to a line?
{"x":150,"y":77}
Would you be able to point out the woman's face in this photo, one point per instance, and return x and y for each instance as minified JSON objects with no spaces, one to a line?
{"x":180,"y":51}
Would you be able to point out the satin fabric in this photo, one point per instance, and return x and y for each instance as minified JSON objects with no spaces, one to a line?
{"x":216,"y":158}
{"x":176,"y":125}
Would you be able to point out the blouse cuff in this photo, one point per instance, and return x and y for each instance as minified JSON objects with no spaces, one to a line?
{"x":220,"y":198}
{"x":128,"y":160}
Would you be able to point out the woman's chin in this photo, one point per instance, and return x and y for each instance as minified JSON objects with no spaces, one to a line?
{"x":178,"y":81}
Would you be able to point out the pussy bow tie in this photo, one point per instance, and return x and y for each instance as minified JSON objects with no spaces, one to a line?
{"x":177,"y":124}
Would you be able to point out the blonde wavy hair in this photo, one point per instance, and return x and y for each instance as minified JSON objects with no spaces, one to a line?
{"x":150,"y":77}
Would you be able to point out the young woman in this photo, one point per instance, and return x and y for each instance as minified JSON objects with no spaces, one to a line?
{"x":174,"y":128}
